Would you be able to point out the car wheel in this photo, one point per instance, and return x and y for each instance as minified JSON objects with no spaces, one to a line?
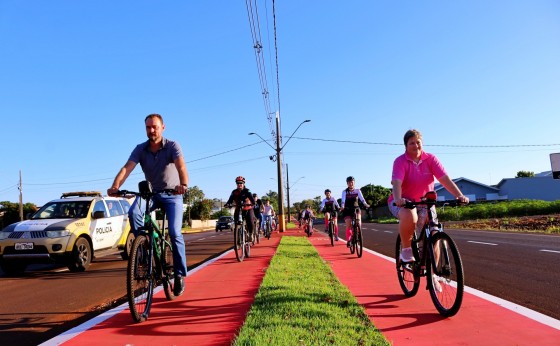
{"x":81,"y":256}
{"x":128,"y":246}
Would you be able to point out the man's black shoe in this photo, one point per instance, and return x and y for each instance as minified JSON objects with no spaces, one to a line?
{"x":179,"y":285}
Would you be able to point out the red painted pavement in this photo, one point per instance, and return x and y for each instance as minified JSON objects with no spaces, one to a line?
{"x":415,"y":321}
{"x":210,"y":312}
{"x":218,"y":297}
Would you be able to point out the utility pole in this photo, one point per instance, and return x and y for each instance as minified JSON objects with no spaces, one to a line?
{"x":20,"y":199}
{"x":288,"y":190}
{"x":282,"y":225}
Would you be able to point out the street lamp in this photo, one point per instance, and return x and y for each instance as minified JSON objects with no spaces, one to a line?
{"x":278,"y":149}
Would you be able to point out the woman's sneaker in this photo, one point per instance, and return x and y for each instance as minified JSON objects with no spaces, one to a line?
{"x":406,"y":255}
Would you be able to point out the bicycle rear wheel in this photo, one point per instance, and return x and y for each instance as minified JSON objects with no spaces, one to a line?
{"x":408,"y":280}
{"x":446,"y":281}
{"x":167,"y":268}
{"x":331,"y":232}
{"x":359,"y":241}
{"x":238,"y":242}
{"x":139,"y":282}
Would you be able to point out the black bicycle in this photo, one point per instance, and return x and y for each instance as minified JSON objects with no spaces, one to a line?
{"x":241,"y":239}
{"x":331,"y":227}
{"x":436,"y":257}
{"x":357,"y":240}
{"x":151,"y":258}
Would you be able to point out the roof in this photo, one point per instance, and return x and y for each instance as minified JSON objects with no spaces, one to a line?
{"x":438,"y":186}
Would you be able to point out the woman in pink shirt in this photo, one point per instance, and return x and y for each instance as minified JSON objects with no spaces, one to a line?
{"x":413,"y":176}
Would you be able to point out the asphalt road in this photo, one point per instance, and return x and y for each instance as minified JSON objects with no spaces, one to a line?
{"x":48,"y":300}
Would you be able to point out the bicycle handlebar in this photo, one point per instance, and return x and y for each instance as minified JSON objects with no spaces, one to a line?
{"x":153,"y":193}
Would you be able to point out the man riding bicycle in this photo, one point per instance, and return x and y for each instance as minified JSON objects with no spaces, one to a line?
{"x":164,"y":167}
{"x":243,"y":200}
{"x":268,"y":213}
{"x":330,"y":206}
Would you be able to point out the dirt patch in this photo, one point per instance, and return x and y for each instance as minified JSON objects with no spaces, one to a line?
{"x":540,"y":223}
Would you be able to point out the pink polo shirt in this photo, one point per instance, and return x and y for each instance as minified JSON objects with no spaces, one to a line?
{"x":416,"y":178}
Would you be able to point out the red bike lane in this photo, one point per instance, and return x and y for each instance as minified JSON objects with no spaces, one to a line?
{"x":372,"y":279}
{"x":218,"y":297}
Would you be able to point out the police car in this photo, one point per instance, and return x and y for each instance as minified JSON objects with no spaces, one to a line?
{"x":68,"y":230}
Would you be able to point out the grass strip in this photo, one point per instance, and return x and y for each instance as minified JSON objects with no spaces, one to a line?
{"x":301,"y":302}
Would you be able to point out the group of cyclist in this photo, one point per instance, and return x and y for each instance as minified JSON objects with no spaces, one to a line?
{"x":164,"y":167}
{"x":250,"y":206}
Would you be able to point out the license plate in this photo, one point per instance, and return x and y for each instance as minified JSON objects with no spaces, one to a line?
{"x":24,"y":246}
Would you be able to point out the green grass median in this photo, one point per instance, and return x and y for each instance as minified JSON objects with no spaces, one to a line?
{"x":301,"y":302}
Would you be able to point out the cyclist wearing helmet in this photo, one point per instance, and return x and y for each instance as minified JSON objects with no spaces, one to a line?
{"x":243,"y":200}
{"x":330,"y":206}
{"x":350,"y":197}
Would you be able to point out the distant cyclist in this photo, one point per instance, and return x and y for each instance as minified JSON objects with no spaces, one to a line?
{"x":413,"y":176}
{"x":257,"y":210}
{"x":243,"y":200}
{"x":350,"y":198}
{"x":307,"y":216}
{"x":268,"y":213}
{"x":330,"y":206}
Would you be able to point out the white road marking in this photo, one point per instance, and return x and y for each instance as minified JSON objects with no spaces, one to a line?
{"x":479,"y":242}
{"x":553,"y":251}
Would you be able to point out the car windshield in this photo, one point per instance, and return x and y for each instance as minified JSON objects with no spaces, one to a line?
{"x":225,"y":218}
{"x":63,"y":210}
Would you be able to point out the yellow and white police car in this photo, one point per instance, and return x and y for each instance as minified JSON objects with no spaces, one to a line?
{"x":68,"y":230}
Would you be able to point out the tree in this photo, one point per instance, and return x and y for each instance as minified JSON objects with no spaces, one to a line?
{"x":376,"y":195}
{"x":194,"y":195}
{"x":525,"y":174}
{"x":273,"y":197}
{"x":9,"y":212}
{"x":201,"y":210}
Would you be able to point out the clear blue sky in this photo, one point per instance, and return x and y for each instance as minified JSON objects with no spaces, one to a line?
{"x":77,"y":79}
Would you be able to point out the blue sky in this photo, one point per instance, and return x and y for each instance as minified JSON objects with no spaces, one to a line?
{"x":479,"y":79}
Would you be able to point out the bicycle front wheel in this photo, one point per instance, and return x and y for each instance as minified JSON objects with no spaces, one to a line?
{"x":445,"y":279}
{"x":408,"y":280}
{"x":331,"y":233}
{"x":238,"y":242}
{"x":359,"y":241}
{"x":247,"y":245}
{"x":139,"y":282}
{"x":168,"y":272}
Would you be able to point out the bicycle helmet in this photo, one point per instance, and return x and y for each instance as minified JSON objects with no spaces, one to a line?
{"x":240,"y":179}
{"x":327,"y":190}
{"x":350,"y":178}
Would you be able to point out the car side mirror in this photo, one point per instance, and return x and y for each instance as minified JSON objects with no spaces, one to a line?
{"x":98,"y":214}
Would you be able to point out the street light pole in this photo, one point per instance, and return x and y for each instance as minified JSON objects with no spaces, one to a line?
{"x":278,"y":149}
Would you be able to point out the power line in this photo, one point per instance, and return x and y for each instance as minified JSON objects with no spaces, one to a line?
{"x":430,"y":145}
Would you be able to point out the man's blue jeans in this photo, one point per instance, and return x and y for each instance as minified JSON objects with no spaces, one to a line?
{"x":173,"y":207}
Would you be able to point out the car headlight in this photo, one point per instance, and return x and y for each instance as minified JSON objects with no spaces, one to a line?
{"x":4,"y":235}
{"x":58,"y":233}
